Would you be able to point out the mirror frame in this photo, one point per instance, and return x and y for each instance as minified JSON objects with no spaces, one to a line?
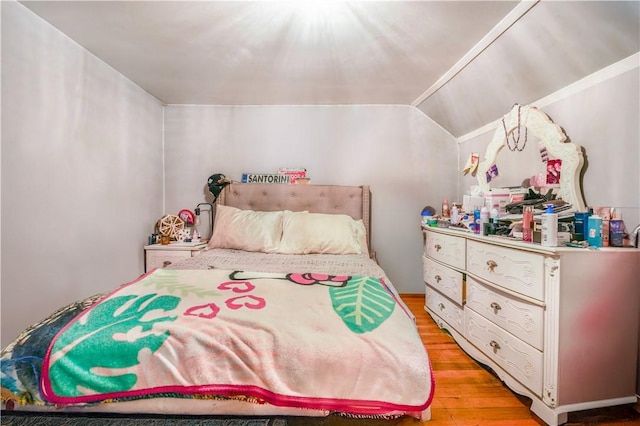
{"x":553,"y":138}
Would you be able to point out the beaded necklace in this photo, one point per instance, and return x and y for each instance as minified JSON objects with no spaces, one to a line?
{"x":516,"y":142}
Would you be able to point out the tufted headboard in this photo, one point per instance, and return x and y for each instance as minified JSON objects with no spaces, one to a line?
{"x":354,"y":201}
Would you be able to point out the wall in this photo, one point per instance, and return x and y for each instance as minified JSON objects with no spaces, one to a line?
{"x":81,"y":172}
{"x":404,"y":157}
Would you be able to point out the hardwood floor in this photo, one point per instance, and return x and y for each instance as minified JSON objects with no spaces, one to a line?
{"x":468,"y":394}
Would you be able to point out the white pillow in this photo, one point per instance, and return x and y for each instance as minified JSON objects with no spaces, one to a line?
{"x":304,"y":233}
{"x":246,"y":229}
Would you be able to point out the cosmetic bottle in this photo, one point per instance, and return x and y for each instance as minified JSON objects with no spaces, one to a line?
{"x":454,"y":214}
{"x":594,"y":238}
{"x":445,"y":208}
{"x":484,"y":220}
{"x":494,"y":218}
{"x":549,"y":235}
{"x":495,"y":213}
{"x":527,"y":224}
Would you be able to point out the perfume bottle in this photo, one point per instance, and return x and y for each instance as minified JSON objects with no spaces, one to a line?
{"x":195,"y":234}
{"x":445,"y":208}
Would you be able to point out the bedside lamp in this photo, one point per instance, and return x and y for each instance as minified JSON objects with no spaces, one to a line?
{"x":216,"y":184}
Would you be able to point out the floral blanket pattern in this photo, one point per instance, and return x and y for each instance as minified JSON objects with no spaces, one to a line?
{"x":340,"y":343}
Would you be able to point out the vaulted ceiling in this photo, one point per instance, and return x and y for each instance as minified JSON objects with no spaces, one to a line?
{"x":463,"y":63}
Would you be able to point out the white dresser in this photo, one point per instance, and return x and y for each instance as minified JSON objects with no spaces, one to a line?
{"x":559,"y":325}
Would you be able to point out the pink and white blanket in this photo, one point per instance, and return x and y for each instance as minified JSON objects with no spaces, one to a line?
{"x":317,"y":341}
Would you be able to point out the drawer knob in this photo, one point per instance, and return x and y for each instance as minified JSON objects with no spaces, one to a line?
{"x":166,"y":263}
{"x":494,"y":345}
{"x":441,"y":306}
{"x":438,"y":247}
{"x":495,"y":306}
{"x":491,"y":265}
{"x":438,"y":278}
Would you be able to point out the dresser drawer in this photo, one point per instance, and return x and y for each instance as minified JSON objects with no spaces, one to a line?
{"x":446,"y":280}
{"x":520,"y":360}
{"x":160,"y":259}
{"x":516,"y":270}
{"x":519,"y":317}
{"x":447,"y":249}
{"x":445,"y":309}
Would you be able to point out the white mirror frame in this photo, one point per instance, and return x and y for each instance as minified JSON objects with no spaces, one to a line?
{"x":553,"y":138}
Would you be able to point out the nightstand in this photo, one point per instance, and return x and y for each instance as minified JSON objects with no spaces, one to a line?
{"x":159,"y":255}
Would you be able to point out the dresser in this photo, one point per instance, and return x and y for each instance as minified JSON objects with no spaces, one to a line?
{"x":557,"y":324}
{"x":162,"y":255}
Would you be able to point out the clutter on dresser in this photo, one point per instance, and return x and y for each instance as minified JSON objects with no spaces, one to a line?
{"x":537,"y":219}
{"x":547,"y":208}
{"x":428,"y":214}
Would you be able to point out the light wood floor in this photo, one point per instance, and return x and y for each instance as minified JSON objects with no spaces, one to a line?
{"x":467,"y":394}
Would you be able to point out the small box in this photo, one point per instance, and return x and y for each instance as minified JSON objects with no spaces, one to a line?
{"x":471,"y":203}
{"x":294,"y":174}
{"x":563,"y":237}
{"x":499,"y":199}
{"x":581,"y":226}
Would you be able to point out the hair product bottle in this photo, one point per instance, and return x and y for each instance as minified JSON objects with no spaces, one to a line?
{"x":476,"y":221}
{"x":549,"y":235}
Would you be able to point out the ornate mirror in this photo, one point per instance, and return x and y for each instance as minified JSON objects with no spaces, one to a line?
{"x":526,"y":120}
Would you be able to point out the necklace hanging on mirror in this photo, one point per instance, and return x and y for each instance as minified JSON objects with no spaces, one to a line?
{"x":516,"y":141}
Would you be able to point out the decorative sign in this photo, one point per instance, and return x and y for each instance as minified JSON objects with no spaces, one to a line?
{"x":266,"y":178}
{"x":294,"y":173}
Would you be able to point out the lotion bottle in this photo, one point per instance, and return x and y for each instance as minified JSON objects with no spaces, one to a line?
{"x":549,"y":235}
{"x":594,"y":236}
{"x":454,"y":214}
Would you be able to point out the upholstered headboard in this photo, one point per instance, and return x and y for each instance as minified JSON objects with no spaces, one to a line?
{"x":354,"y":201}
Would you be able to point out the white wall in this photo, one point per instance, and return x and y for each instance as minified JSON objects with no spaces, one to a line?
{"x":81,"y":172}
{"x":602,"y":117}
{"x":401,"y":154}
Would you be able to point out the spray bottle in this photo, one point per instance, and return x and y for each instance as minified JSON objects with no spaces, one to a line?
{"x":549,"y":227}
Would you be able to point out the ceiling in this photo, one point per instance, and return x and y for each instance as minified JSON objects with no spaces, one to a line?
{"x":421,"y":53}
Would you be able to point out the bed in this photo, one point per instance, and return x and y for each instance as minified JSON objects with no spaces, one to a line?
{"x":286,"y":313}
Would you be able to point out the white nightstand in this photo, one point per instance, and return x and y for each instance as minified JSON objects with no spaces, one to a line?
{"x":159,"y":255}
